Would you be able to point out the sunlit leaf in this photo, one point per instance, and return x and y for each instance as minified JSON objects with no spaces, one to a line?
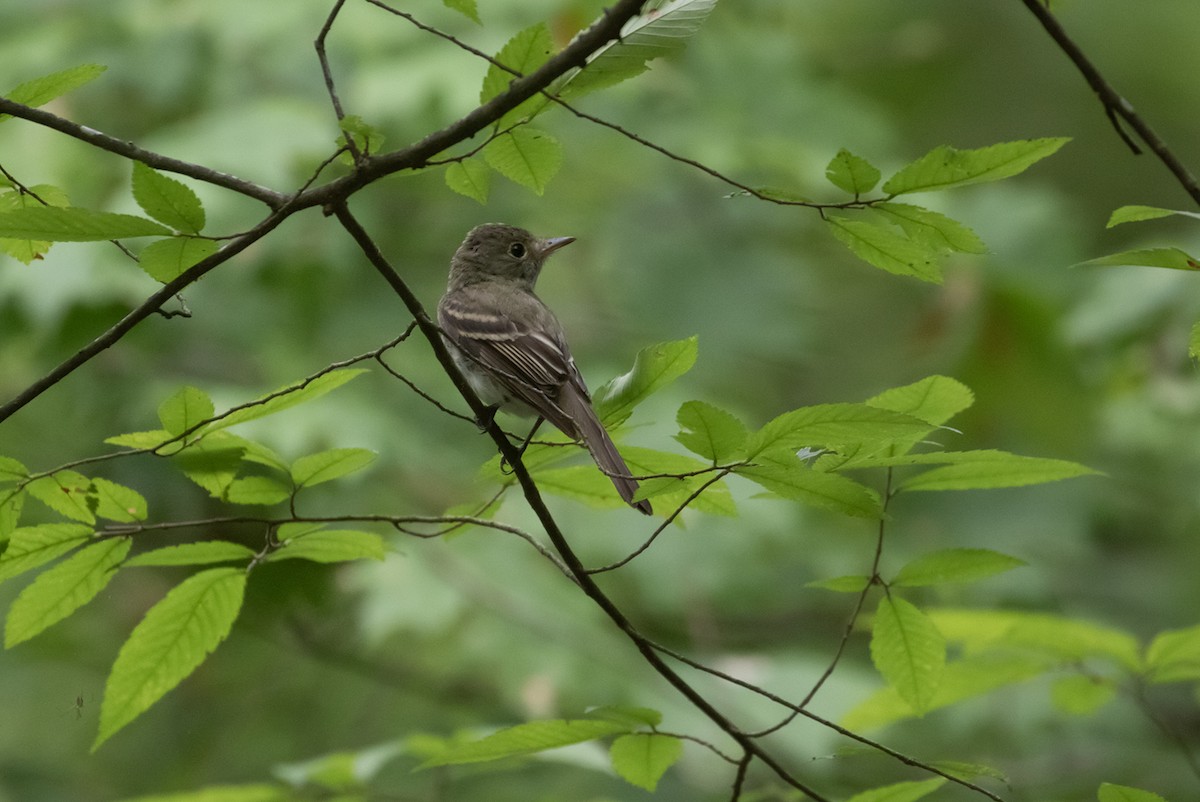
{"x":900,"y":792}
{"x":41,"y":91}
{"x":954,"y":565}
{"x":1171,"y":258}
{"x":203,"y":553}
{"x":834,"y":425}
{"x":524,"y":53}
{"x":288,"y":396}
{"x":1173,"y":656}
{"x":1134,"y":214}
{"x":259,"y":792}
{"x":67,"y":493}
{"x":31,"y":546}
{"x":257,"y":490}
{"x":174,"y":637}
{"x":73,"y":224}
{"x":465,"y":7}
{"x":324,"y":466}
{"x":12,"y":470}
{"x":330,"y":546}
{"x":168,"y":259}
{"x":945,"y":167}
{"x":184,"y":409}
{"x":886,"y":248}
{"x":470,"y":177}
{"x":1124,"y":793}
{"x":908,"y":650}
{"x":168,"y":201}
{"x":117,"y":502}
{"x":526,"y":739}
{"x":933,"y":229}
{"x":642,"y":758}
{"x":934,"y":399}
{"x":1001,"y":469}
{"x":854,"y":583}
{"x":63,"y":589}
{"x":654,"y":367}
{"x":1079,"y":695}
{"x":711,"y":432}
{"x":27,"y":250}
{"x":786,"y":476}
{"x":524,"y":155}
{"x":851,"y":173}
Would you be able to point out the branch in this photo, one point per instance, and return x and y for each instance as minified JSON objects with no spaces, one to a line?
{"x":1114,"y":105}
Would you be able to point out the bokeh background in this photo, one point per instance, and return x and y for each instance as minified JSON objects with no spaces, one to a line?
{"x":1077,"y":363}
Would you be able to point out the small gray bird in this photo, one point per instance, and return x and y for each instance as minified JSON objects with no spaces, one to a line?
{"x":511,"y":347}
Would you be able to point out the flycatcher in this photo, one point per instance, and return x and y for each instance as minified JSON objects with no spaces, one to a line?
{"x":511,"y":347}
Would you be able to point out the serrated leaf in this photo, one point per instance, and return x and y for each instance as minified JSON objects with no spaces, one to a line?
{"x":934,"y":399}
{"x":117,"y":502}
{"x":1078,"y":695}
{"x":168,"y":259}
{"x":786,"y":476}
{"x":524,"y":155}
{"x":886,"y":249}
{"x":933,"y":229}
{"x":900,"y":792}
{"x":525,"y":52}
{"x":833,"y":426}
{"x":1051,"y":637}
{"x":324,"y":466}
{"x":945,"y":167}
{"x":1124,"y":793}
{"x":174,"y":637}
{"x":330,"y":546}
{"x":73,"y":224}
{"x":711,"y":432}
{"x":855,"y":583}
{"x":470,"y":177}
{"x":41,"y":91}
{"x":203,"y":553}
{"x":851,"y":173}
{"x":654,"y":367}
{"x":908,"y":650}
{"x":168,"y":201}
{"x":27,"y":250}
{"x":257,"y":792}
{"x":1171,"y":258}
{"x":185,"y":408}
{"x":257,"y":490}
{"x":12,"y":470}
{"x":624,"y":714}
{"x":658,"y":32}
{"x":63,"y":589}
{"x":31,"y":546}
{"x":714,"y":500}
{"x":969,"y":771}
{"x":1173,"y":656}
{"x":642,"y":758}
{"x":954,"y":565}
{"x":65,"y":492}
{"x":465,"y":7}
{"x":1135,"y":214}
{"x":1001,"y":469}
{"x":141,"y":440}
{"x":288,"y":396}
{"x":212,"y":462}
{"x":12,"y":502}
{"x":526,"y":739}
{"x":366,"y":137}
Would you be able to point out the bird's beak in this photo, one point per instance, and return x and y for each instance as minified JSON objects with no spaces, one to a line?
{"x":549,"y":246}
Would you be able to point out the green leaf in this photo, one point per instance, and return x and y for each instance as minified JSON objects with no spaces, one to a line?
{"x":259,"y":792}
{"x":954,"y":565}
{"x":786,"y":476}
{"x":63,"y":589}
{"x":143,"y":440}
{"x":633,"y":717}
{"x":525,"y":52}
{"x":852,"y":173}
{"x":945,"y":167}
{"x":12,"y":502}
{"x":1078,"y":695}
{"x":855,"y":583}
{"x":715,"y":500}
{"x":1052,"y":638}
{"x":661,"y":31}
{"x":168,"y":259}
{"x":908,"y":650}
{"x":212,"y":462}
{"x":332,"y":464}
{"x":1171,"y":258}
{"x":67,"y":493}
{"x":642,"y":758}
{"x":465,"y":7}
{"x":1134,"y":214}
{"x":969,"y":771}
{"x":12,"y":470}
{"x":1173,"y":656}
{"x":288,"y":396}
{"x":175,"y":637}
{"x":168,"y":201}
{"x":932,"y":229}
{"x":1124,"y":793}
{"x":886,"y":249}
{"x":117,"y":502}
{"x":524,"y":155}
{"x":41,"y":91}
{"x":654,"y":367}
{"x":186,"y":407}
{"x":1194,"y":342}
{"x":27,"y":250}
{"x":833,"y":426}
{"x":527,"y":739}
{"x":470,"y":177}
{"x":261,"y":491}
{"x":75,"y":225}
{"x":203,"y":553}
{"x":934,"y":399}
{"x":31,"y":546}
{"x":366,"y":137}
{"x":711,"y":432}
{"x":999,"y":469}
{"x":330,"y":546}
{"x":900,"y":792}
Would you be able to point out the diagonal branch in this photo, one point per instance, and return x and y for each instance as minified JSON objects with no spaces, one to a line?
{"x":1115,"y":106}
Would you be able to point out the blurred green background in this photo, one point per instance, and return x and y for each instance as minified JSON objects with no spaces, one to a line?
{"x":1081,"y":364}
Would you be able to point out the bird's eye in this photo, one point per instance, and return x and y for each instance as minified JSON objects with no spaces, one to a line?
{"x":517,"y":250}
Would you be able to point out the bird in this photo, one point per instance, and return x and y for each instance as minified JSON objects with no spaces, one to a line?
{"x":511,"y":348}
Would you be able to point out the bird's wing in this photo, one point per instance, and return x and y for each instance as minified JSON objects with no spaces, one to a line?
{"x":519,"y":341}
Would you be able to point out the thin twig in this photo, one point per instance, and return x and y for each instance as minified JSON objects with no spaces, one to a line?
{"x":327,"y":72}
{"x":1114,"y":104}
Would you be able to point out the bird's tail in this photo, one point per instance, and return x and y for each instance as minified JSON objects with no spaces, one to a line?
{"x":591,"y":431}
